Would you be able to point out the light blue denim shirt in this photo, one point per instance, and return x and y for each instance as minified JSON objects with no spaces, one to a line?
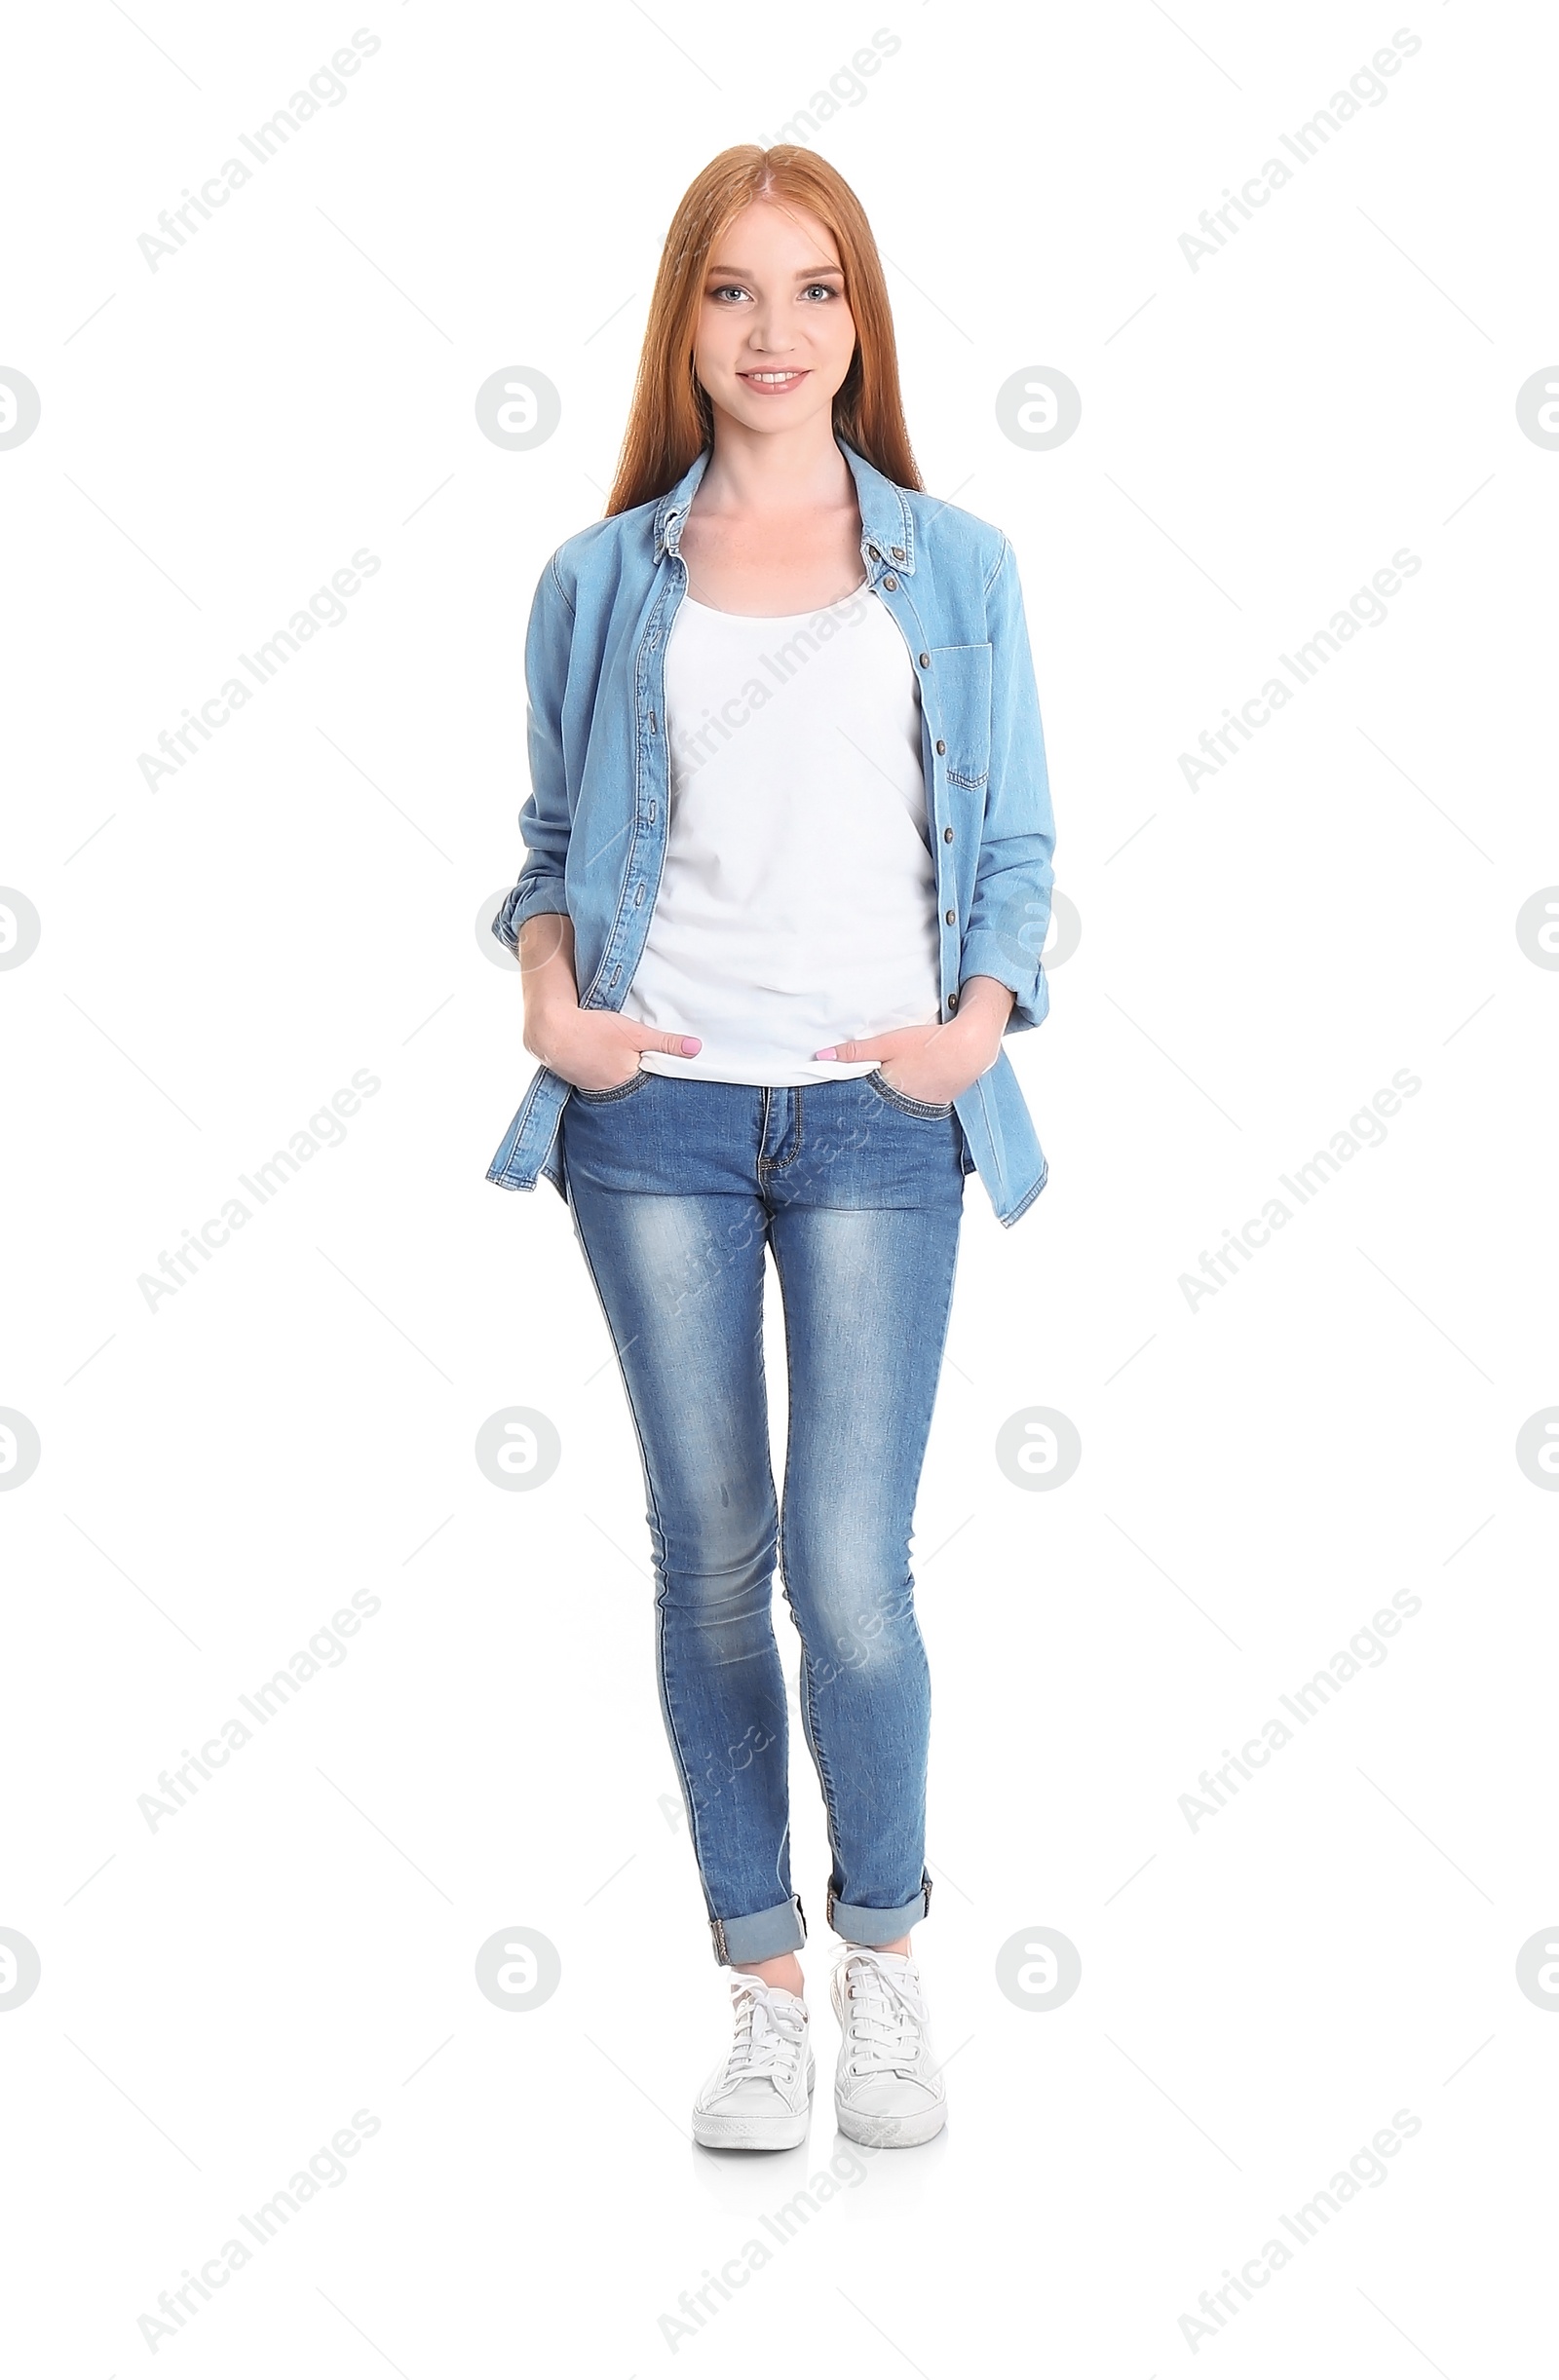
{"x":596,"y":823}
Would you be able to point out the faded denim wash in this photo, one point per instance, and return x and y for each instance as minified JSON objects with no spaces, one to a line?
{"x":678,"y":1189}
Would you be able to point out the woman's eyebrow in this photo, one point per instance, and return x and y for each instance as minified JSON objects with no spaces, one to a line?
{"x":811,"y":272}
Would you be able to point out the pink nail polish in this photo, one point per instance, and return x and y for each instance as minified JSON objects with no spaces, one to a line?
{"x":690,"y":1048}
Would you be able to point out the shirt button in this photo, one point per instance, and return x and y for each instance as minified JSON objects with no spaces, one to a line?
{"x":952,"y":1003}
{"x":890,"y":581}
{"x":925,"y":660}
{"x":951,"y":917}
{"x":940,"y":746}
{"x":947,"y":834}
{"x":899,"y":553}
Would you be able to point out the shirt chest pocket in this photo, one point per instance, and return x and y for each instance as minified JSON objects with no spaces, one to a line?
{"x":958,"y":685}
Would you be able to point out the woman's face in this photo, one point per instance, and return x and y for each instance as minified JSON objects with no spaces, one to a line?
{"x":775,"y":333}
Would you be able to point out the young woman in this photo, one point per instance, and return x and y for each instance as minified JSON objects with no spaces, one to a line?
{"x":789,"y":880}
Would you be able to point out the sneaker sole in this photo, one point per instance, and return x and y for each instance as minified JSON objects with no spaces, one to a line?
{"x":891,"y":2132}
{"x":711,"y":2130}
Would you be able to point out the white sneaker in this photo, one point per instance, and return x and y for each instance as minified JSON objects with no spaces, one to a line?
{"x":760,"y":2093}
{"x":888,"y":2091}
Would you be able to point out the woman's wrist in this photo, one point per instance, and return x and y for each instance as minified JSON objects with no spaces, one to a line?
{"x":549,"y":1005}
{"x":984,"y":1006}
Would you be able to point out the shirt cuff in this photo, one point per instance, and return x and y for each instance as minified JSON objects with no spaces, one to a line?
{"x":991,"y":954}
{"x":542,"y":898}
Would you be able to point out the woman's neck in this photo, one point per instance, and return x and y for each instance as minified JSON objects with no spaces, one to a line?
{"x":752,"y":472}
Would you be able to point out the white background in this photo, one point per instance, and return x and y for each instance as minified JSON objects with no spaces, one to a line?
{"x":1260,"y":1996}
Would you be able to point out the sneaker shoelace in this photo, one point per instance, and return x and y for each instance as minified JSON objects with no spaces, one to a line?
{"x":768,"y":2037}
{"x":886,"y":2018}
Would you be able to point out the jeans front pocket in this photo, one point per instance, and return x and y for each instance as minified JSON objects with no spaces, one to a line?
{"x":933,"y":1110}
{"x":620,"y":1091}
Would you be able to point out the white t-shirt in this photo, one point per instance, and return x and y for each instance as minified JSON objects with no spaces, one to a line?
{"x":797,"y":903}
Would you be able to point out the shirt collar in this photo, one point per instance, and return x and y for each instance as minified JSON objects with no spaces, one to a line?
{"x":888,"y":538}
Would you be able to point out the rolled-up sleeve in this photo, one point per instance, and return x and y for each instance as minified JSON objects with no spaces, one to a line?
{"x":1010,"y":913}
{"x":546,"y":817}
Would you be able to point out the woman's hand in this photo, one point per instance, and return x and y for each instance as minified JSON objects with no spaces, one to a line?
{"x":594,"y":1048}
{"x":938,"y":1063}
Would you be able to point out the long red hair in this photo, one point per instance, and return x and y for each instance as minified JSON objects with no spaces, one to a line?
{"x":671,"y":419}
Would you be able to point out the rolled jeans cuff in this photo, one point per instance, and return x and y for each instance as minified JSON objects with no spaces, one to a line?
{"x":872,"y":1927}
{"x":770,"y":1934}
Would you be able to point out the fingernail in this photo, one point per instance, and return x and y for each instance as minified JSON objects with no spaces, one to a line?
{"x":825,"y":1053}
{"x":690,"y":1048}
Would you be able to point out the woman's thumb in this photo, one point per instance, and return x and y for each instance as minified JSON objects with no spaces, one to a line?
{"x":672,"y":1045}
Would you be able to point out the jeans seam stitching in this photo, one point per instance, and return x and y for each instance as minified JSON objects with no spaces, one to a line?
{"x":931,"y":1109}
{"x":779,"y":1164}
{"x":619,"y":1090}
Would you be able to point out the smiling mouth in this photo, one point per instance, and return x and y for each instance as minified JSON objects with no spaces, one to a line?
{"x":772,"y":380}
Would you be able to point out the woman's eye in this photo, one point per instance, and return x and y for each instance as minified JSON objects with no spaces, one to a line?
{"x":728,"y":288}
{"x":819,"y":288}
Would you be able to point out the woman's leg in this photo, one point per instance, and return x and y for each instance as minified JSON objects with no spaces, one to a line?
{"x":867,"y":1291}
{"x":680,"y":1279}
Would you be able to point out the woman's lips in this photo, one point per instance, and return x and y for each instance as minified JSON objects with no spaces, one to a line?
{"x":791,"y":379}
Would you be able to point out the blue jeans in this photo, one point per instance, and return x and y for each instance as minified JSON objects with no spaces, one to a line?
{"x":678,"y":1187}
